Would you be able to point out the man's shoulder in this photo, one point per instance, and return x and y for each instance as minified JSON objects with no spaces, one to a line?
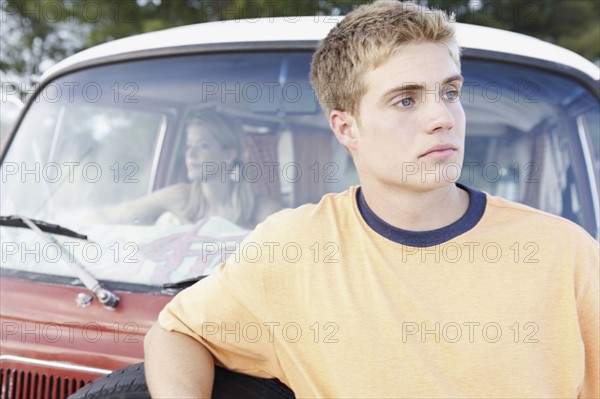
{"x":329,"y":205}
{"x":504,"y":208}
{"x":504,"y":211}
{"x":329,"y":211}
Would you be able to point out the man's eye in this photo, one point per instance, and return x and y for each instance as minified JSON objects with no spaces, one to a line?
{"x":405,"y":102}
{"x":451,"y":95}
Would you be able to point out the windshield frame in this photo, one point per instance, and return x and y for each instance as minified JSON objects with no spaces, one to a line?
{"x":583,"y":160}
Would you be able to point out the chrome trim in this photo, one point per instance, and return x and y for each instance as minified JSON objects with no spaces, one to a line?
{"x":58,"y":365}
{"x":586,"y":148}
{"x":162,"y":130}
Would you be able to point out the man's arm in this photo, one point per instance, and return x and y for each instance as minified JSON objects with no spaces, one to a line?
{"x":177,"y":366}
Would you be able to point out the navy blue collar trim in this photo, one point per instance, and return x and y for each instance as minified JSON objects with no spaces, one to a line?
{"x":477,"y":203}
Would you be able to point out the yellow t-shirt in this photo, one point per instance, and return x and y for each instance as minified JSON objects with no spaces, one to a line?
{"x":316,"y":297}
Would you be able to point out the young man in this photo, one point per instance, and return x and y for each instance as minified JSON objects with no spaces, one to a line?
{"x":413,"y":290}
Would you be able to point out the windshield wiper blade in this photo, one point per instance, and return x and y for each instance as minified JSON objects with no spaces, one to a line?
{"x":17,"y":221}
{"x":183,"y":283}
{"x":106,"y":297}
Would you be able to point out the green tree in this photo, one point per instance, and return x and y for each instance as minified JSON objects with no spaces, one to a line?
{"x":574,"y":24}
{"x":36,"y":33}
{"x":124,"y":18}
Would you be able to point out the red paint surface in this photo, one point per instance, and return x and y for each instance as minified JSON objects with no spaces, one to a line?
{"x":42,"y":321}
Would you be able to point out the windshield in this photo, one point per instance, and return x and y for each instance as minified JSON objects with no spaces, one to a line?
{"x":166,"y":164}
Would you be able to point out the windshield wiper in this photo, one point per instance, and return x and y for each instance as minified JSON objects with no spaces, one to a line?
{"x":183,"y":283}
{"x":17,"y":221}
{"x":106,"y":297}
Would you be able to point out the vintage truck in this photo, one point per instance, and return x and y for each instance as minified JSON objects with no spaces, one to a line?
{"x":106,"y":126}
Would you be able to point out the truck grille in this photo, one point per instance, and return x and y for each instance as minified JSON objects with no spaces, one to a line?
{"x":17,"y":384}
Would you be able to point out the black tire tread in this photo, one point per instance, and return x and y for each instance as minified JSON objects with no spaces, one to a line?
{"x":130,"y":383}
{"x":126,"y":383}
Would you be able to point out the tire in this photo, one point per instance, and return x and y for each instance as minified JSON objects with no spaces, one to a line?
{"x":130,"y":383}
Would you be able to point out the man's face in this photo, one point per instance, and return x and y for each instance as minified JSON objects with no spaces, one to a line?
{"x":411,"y":127}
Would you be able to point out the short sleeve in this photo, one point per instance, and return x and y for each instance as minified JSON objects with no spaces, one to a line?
{"x":587,"y":294}
{"x":227,"y":313}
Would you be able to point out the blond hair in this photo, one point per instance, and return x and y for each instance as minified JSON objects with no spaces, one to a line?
{"x":229,"y":134}
{"x":364,"y":40}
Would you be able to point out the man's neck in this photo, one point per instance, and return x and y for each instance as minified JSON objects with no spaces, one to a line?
{"x":417,"y":211}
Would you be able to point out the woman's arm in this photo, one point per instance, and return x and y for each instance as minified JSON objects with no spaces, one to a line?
{"x":144,"y":210}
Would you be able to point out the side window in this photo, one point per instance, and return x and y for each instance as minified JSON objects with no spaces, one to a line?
{"x":82,"y":154}
{"x":591,"y":123}
{"x":111,"y":147}
{"x":523,"y":138}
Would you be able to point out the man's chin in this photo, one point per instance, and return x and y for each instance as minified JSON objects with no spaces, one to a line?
{"x":431,"y":173}
{"x":428,"y":185}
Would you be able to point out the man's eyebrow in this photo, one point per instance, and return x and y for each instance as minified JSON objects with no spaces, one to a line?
{"x":416,"y":87}
{"x":457,"y":77}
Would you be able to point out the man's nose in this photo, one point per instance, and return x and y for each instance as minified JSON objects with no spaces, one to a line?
{"x":438,"y":117}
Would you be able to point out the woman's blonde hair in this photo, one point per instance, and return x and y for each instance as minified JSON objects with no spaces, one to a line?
{"x":229,"y":133}
{"x":364,"y":40}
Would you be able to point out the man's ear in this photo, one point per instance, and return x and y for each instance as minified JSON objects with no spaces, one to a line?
{"x":344,"y":127}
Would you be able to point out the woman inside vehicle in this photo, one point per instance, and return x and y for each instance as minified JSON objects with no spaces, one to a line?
{"x":214,"y":149}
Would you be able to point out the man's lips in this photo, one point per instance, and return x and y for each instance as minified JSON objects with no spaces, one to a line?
{"x":439,"y":150}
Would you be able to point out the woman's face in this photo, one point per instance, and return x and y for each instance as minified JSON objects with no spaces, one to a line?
{"x":205,"y":157}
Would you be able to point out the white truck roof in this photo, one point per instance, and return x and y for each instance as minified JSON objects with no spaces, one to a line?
{"x":315,"y":28}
